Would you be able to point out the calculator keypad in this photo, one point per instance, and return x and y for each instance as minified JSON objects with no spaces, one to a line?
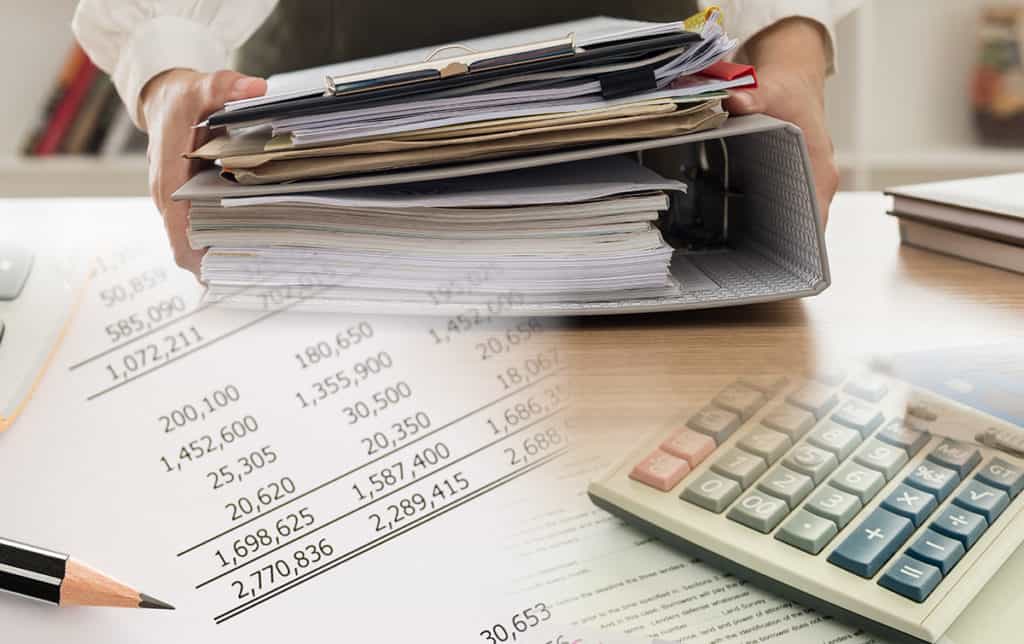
{"x":807,"y":461}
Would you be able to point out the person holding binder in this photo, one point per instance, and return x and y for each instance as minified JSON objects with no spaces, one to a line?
{"x":168,"y":59}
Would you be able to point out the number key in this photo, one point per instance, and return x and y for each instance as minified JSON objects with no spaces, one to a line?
{"x":858,"y":480}
{"x":740,"y":466}
{"x":887,"y":459}
{"x":711,"y":492}
{"x":759,"y":511}
{"x":766,"y":443}
{"x":786,"y":484}
{"x":835,"y":505}
{"x":812,"y":461}
{"x":789,"y":420}
{"x":837,"y":439}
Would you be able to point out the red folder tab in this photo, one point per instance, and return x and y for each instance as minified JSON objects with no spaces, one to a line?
{"x":724,"y":70}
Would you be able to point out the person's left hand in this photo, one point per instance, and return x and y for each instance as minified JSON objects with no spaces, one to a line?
{"x":790,"y":62}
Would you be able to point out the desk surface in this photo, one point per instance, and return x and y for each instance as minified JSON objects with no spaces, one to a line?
{"x":884,"y":298}
{"x":644,"y":370}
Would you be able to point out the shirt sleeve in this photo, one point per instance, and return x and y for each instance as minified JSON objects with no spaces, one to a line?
{"x":134,"y":40}
{"x":744,"y":19}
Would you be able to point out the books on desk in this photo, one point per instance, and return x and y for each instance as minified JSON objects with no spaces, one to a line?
{"x":980,"y":219}
{"x":563,"y":233}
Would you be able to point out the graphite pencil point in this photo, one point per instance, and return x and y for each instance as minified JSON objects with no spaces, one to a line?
{"x":145,"y":601}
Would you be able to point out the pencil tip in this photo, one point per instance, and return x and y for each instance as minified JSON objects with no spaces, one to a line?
{"x":145,"y":601}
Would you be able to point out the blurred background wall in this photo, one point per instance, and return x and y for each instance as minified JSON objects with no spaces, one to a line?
{"x":900,"y":107}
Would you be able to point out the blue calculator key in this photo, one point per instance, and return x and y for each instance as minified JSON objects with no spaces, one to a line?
{"x":934,"y":479}
{"x":931,"y":547}
{"x":1004,"y":475}
{"x":911,"y":578}
{"x":910,"y":502}
{"x":982,"y":499}
{"x":857,"y":415}
{"x":957,"y":456}
{"x":962,"y":525}
{"x":874,"y":541}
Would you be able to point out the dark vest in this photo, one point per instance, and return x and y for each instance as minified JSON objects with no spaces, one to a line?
{"x":309,"y":33}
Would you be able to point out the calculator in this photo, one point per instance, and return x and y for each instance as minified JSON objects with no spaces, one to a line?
{"x":842,"y":491}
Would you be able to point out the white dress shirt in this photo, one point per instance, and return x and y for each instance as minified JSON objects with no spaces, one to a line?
{"x":134,"y":40}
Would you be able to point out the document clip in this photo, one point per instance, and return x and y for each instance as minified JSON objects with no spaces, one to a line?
{"x":436,"y":68}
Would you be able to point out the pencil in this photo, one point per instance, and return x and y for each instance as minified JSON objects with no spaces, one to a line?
{"x":58,"y":579}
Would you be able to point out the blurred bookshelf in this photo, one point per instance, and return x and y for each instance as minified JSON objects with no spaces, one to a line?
{"x":78,"y":157}
{"x":899,"y":109}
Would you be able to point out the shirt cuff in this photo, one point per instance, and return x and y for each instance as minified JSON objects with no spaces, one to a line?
{"x":163,"y":43}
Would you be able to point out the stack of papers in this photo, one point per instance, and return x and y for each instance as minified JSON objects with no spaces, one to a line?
{"x":287,"y":136}
{"x":577,"y":232}
{"x":571,"y":232}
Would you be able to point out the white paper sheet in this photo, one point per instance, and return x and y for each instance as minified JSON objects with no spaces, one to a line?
{"x":118,"y":457}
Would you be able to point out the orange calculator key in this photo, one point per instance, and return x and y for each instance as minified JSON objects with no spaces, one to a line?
{"x":660,"y":470}
{"x":689,"y":445}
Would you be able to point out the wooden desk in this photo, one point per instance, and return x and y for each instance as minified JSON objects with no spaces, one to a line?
{"x":884,"y":298}
{"x":642,"y":372}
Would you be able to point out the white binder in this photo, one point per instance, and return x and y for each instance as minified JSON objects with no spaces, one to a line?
{"x":775,"y":248}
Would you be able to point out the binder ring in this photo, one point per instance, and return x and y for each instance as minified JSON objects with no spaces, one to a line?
{"x":445,"y":47}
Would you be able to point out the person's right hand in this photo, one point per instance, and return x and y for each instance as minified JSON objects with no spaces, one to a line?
{"x":170,"y":104}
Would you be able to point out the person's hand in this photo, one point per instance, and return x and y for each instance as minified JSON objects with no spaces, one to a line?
{"x":790,"y":58}
{"x":170,"y":104}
